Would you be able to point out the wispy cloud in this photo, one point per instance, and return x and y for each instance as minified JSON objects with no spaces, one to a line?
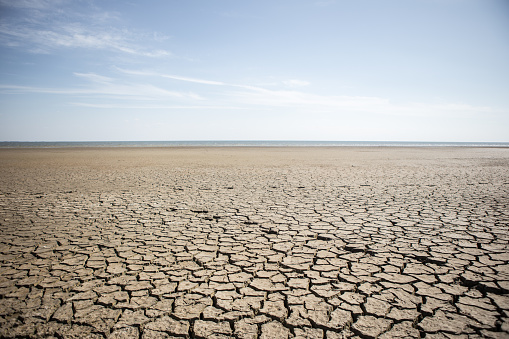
{"x":355,"y":104}
{"x":256,"y":96}
{"x":46,"y":26}
{"x":136,"y":90}
{"x":31,"y":4}
{"x":94,"y":77}
{"x":174,"y":77}
{"x":106,"y":87}
{"x":197,"y":81}
{"x":190,"y":79}
{"x":124,"y":106}
{"x":15,"y":89}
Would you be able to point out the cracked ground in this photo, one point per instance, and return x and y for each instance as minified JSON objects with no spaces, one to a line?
{"x":254,"y":243}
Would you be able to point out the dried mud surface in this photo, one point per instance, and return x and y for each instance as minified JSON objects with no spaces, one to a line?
{"x":254,"y":243}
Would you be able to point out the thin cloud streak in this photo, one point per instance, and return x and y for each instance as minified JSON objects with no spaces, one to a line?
{"x":72,"y":36}
{"x":114,"y":106}
{"x":241,"y":97}
{"x":105,"y":90}
{"x":94,"y":77}
{"x":30,"y":30}
{"x":31,"y":4}
{"x":198,"y":81}
{"x":190,"y":79}
{"x":350,"y":104}
{"x":257,"y":96}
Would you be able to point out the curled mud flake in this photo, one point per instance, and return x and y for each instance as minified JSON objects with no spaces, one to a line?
{"x":371,"y":326}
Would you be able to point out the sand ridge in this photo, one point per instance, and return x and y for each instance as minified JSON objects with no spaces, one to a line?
{"x":253,"y":242}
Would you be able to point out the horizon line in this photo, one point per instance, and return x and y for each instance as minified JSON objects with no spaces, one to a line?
{"x":243,"y":140}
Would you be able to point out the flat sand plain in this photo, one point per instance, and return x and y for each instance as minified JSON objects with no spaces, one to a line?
{"x":254,"y":242}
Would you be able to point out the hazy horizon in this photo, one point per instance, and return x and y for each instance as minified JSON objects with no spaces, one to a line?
{"x":418,"y":71}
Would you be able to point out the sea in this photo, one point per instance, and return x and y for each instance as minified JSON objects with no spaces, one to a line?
{"x":244,"y":143}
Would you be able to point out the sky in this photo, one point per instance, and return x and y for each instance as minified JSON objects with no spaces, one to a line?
{"x":344,"y":70}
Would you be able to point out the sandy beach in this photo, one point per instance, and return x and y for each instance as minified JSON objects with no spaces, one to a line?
{"x":310,"y":242}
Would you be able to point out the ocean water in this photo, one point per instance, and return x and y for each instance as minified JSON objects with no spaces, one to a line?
{"x":244,"y":143}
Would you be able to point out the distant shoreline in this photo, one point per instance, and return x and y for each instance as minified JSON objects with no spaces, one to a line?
{"x":242,"y":143}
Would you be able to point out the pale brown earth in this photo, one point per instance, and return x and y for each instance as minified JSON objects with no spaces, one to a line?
{"x":254,"y":243}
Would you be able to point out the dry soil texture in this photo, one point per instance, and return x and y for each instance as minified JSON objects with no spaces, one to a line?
{"x":254,"y":243}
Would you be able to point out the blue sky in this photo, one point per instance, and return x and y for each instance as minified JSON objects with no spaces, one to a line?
{"x":408,"y":70}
